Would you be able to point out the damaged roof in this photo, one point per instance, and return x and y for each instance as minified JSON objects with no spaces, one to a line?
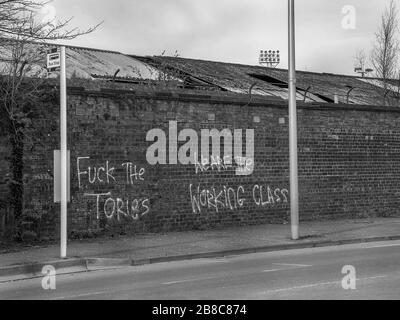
{"x":91,"y":63}
{"x":311,"y":86}
{"x":213,"y":75}
{"x":86,"y":63}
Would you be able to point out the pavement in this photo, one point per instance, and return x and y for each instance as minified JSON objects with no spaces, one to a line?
{"x":94,"y":254}
{"x":368,"y":270}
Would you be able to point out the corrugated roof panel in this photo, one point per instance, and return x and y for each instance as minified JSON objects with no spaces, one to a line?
{"x":239,"y":78}
{"x":86,"y":63}
{"x":91,"y":63}
{"x":236,"y":90}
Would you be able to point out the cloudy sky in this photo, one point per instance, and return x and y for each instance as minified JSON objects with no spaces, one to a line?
{"x":228,"y":30}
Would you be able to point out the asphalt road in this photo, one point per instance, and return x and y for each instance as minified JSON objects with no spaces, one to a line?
{"x":291,"y":274}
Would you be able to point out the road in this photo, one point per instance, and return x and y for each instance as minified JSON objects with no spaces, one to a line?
{"x":291,"y":274}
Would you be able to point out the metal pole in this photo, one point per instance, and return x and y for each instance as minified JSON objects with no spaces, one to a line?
{"x":63,"y":133}
{"x":294,"y":193}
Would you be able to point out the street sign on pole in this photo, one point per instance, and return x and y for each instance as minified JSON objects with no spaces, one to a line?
{"x":63,"y":149}
{"x":294,"y":193}
{"x":53,"y":60}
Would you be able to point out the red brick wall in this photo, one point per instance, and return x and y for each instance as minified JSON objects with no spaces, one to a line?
{"x":348,"y":162}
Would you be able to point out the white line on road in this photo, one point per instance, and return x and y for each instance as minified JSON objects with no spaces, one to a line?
{"x":188,"y":280}
{"x":208,"y":278}
{"x":311,"y":285}
{"x":293,"y":264}
{"x":80,"y":295}
{"x":383,"y":245}
{"x":216,"y":277}
{"x":271,"y":270}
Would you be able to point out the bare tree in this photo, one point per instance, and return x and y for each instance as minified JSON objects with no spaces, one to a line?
{"x":384,"y":56}
{"x":360,"y":59}
{"x":23,"y":42}
{"x":18,"y":20}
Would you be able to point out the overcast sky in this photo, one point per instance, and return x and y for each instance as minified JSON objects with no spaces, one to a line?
{"x":228,"y":30}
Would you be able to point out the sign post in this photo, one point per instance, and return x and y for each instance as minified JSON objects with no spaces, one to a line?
{"x":63,"y":132}
{"x":294,"y":185}
{"x":55,"y":60}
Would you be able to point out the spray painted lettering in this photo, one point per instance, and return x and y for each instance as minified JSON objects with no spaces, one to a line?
{"x":233,"y":198}
{"x":113,"y":207}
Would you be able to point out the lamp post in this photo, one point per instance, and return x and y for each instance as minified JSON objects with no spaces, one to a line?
{"x":55,"y":62}
{"x":63,"y":148}
{"x":294,"y":194}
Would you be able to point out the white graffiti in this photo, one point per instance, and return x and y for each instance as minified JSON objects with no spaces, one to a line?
{"x":133,"y":173}
{"x":118,"y":208}
{"x":223,"y":164}
{"x":112,"y":207}
{"x":100,"y":174}
{"x":226,"y":197}
{"x":234,"y":198}
{"x":264,"y":196}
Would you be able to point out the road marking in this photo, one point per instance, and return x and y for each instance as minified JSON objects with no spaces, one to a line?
{"x":293,"y":264}
{"x":216,"y":277}
{"x":187,"y":280}
{"x":303,"y":286}
{"x":271,"y":270}
{"x":383,"y":245}
{"x":80,"y":295}
{"x":375,"y":277}
{"x":311,"y":285}
{"x":287,"y":265}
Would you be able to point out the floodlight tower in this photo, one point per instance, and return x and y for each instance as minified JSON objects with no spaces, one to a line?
{"x":362,"y":71}
{"x":270,"y":58}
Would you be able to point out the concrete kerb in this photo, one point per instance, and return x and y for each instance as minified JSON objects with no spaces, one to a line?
{"x":75,"y":265}
{"x":34,"y":270}
{"x":269,"y":248}
{"x":65,"y":266}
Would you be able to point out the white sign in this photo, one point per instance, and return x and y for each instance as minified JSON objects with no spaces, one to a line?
{"x":53,"y":60}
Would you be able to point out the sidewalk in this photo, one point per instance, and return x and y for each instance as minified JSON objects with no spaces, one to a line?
{"x":176,"y":245}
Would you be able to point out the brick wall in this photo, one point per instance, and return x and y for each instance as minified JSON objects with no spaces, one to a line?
{"x":4,"y":170}
{"x":348,"y":162}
